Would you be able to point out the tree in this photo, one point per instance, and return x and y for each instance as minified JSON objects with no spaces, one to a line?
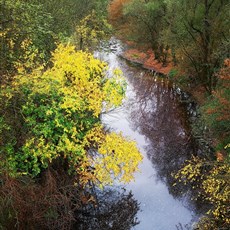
{"x":216,"y":112}
{"x":195,"y":33}
{"x":66,"y":14}
{"x":116,"y":11}
{"x":29,"y":30}
{"x":147,"y":17}
{"x":199,"y":30}
{"x":55,"y":115}
{"x":211,"y":179}
{"x":25,"y":34}
{"x":91,"y":30}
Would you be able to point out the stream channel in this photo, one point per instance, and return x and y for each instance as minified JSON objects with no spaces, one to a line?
{"x":152,"y":114}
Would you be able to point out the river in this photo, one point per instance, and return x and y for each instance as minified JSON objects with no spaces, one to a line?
{"x":154,"y":117}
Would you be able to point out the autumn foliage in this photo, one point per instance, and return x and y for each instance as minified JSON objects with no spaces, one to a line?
{"x":55,"y":156}
{"x":116,"y":10}
{"x":59,"y":111}
{"x":211,"y":180}
{"x":50,"y":124}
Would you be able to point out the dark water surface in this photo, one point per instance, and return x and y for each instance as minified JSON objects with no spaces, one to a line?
{"x":153,"y":116}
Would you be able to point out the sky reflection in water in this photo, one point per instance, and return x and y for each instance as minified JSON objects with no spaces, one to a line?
{"x":152,"y":116}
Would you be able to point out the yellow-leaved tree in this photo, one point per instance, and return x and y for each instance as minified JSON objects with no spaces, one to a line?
{"x":211,"y":179}
{"x":54,"y":114}
{"x":91,"y":30}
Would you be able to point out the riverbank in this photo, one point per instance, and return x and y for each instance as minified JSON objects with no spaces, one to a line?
{"x":193,"y":97}
{"x":144,"y":118}
{"x":146,"y":59}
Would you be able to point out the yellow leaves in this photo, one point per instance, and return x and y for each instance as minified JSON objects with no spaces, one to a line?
{"x":80,"y":80}
{"x":118,"y":73}
{"x":85,"y":171}
{"x":213,"y":179}
{"x":118,"y":158}
{"x":80,"y":75}
{"x":91,"y":30}
{"x":62,"y":109}
{"x":49,"y":112}
{"x":217,"y":185}
{"x":64,"y":59}
{"x":71,"y":104}
{"x":114,"y":89}
{"x":113,"y":158}
{"x":191,"y":171}
{"x":94,"y":137}
{"x":74,"y":132}
{"x":3,"y":34}
{"x":26,"y":43}
{"x":69,"y":145}
{"x":30,"y":56}
{"x":38,"y":148}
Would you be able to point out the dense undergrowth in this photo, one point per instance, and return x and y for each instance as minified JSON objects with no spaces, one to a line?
{"x":56,"y":158}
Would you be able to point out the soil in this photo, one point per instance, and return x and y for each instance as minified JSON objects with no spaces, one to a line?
{"x":147,"y":60}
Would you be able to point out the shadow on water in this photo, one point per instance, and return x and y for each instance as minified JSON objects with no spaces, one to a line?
{"x":113,"y":209}
{"x":155,"y":118}
{"x":162,"y":113}
{"x":157,"y":114}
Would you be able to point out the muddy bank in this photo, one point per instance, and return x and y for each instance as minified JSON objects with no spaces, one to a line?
{"x":145,"y":59}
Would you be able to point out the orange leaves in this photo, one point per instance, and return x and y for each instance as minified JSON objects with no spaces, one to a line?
{"x":116,"y":8}
{"x":219,"y":156}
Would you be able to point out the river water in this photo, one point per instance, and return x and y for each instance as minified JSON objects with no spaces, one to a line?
{"x":154,"y":117}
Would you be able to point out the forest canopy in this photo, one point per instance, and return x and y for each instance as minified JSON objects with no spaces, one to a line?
{"x":56,"y":157}
{"x":54,"y":148}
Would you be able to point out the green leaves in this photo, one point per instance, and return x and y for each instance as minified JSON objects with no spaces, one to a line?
{"x":91,"y":30}
{"x":26,"y":37}
{"x":60,"y":116}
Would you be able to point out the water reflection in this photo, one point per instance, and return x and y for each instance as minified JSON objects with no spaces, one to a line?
{"x":157,"y":114}
{"x":152,"y":116}
{"x":113,"y":210}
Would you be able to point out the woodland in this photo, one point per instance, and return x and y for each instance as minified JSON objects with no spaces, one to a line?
{"x":57,"y":161}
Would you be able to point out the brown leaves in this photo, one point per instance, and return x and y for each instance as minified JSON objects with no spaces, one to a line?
{"x":116,"y":9}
